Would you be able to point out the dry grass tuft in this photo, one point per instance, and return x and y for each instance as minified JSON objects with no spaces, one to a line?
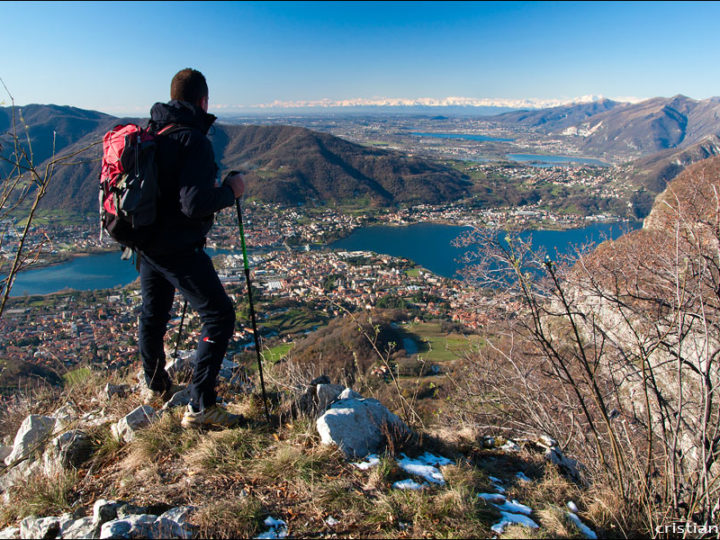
{"x":555,"y":524}
{"x":613,"y":516}
{"x":40,"y":495}
{"x":235,"y":518}
{"x":14,"y":409}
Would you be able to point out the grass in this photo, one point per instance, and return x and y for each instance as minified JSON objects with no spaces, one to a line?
{"x":413,"y":272}
{"x":277,"y":353}
{"x":235,"y":518}
{"x":76,"y":376}
{"x":40,"y":495}
{"x":238,"y":477}
{"x":293,"y":321}
{"x":438,"y":346}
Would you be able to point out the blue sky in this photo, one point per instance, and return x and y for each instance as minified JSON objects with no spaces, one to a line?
{"x":120,"y":57}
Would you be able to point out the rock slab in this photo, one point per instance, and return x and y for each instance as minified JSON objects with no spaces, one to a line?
{"x":31,"y":435}
{"x":359,"y":426}
{"x":127,"y":427}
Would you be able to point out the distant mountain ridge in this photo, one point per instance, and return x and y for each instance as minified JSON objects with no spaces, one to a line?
{"x":610,"y":129}
{"x":284,"y":164}
{"x":50,"y":125}
{"x":656,"y":171}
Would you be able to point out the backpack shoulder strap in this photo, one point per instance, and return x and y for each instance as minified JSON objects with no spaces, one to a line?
{"x":172,"y":128}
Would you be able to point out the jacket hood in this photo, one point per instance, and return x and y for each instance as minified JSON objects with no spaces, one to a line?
{"x":180,"y":112}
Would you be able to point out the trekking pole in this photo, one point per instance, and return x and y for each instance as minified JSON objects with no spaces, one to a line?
{"x":182,"y":320}
{"x":252,"y":307}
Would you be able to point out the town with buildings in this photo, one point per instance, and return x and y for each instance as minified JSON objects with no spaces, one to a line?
{"x":294,"y":267}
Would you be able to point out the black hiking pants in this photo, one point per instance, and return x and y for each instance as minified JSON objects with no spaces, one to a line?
{"x":192,"y":273}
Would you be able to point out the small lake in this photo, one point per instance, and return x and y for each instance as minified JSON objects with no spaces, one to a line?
{"x":427,"y":244}
{"x":465,"y":136}
{"x":540,"y":160}
{"x":430,"y":244}
{"x":102,"y":271}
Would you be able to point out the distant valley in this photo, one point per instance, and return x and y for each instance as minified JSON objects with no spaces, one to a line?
{"x":380,"y":161}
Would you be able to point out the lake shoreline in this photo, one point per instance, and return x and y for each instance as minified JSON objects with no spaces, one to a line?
{"x":429,"y":243}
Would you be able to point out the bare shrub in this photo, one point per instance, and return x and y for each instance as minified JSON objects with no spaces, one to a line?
{"x":22,"y":188}
{"x":614,"y":353}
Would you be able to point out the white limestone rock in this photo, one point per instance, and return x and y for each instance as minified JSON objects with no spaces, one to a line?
{"x":183,"y":363}
{"x":126,"y":428}
{"x":349,"y":393}
{"x":18,"y":473}
{"x":104,"y":511}
{"x":45,"y":527}
{"x":31,"y":436}
{"x":64,"y":416}
{"x":179,"y":399}
{"x":327,"y":394}
{"x":150,"y":526}
{"x":359,"y":426}
{"x":136,"y":526}
{"x":10,"y":533}
{"x":80,"y":528}
{"x":68,"y":450}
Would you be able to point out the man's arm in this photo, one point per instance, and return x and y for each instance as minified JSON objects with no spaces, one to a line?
{"x":199,"y":197}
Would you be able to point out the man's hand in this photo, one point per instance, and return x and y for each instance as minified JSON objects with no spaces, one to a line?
{"x":235,"y":181}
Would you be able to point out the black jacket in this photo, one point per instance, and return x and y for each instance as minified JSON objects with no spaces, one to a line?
{"x":187,"y":176}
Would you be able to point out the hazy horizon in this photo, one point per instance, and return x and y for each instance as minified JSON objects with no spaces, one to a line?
{"x":278,"y":55}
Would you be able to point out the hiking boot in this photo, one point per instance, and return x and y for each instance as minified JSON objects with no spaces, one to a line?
{"x":148,"y":395}
{"x":213,"y":416}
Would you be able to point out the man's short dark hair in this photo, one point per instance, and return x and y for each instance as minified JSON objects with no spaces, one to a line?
{"x":188,"y":85}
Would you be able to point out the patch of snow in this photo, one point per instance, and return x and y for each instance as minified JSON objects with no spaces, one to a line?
{"x":521,"y":476}
{"x":508,"y":518}
{"x":370,"y":461}
{"x":572,"y":506}
{"x":278,"y":528}
{"x":586,"y":531}
{"x":409,"y":484}
{"x":425,"y":466}
{"x":492,"y":497}
{"x":514,"y":507}
{"x":497,"y":484}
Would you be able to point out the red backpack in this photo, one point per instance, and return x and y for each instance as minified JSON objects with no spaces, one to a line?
{"x":129,"y":182}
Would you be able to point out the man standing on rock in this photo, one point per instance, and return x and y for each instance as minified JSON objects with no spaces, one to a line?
{"x":172,"y":255}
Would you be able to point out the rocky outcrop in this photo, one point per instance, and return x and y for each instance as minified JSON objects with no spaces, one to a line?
{"x":319,"y":394}
{"x":69,"y":450}
{"x":128,"y":426}
{"x":360,"y":426}
{"x":651,"y":298}
{"x":110,"y":519}
{"x":30,"y":437}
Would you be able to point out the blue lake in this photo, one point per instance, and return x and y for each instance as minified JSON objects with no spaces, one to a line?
{"x":428,"y":244}
{"x":552,"y":161}
{"x":102,"y":271}
{"x":468,"y":136}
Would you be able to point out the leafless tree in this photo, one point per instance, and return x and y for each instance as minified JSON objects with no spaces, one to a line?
{"x":615,"y":353}
{"x":22,"y":188}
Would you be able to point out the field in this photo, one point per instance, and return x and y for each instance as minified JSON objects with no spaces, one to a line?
{"x":277,"y":353}
{"x":293,"y":321}
{"x":434,"y":345}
